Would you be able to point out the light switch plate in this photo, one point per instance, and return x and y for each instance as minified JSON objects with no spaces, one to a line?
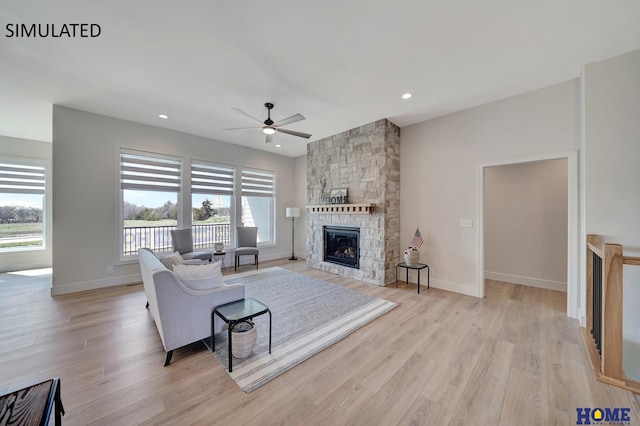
{"x":466,"y":223}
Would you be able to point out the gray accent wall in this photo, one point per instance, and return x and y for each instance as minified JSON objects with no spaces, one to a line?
{"x":85,"y":185}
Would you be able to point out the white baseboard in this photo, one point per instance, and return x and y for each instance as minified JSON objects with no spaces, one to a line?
{"x":57,"y":290}
{"x":469,"y":290}
{"x":532,"y":282}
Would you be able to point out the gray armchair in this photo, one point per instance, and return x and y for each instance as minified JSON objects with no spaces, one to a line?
{"x":183,"y":243}
{"x":247,"y":244}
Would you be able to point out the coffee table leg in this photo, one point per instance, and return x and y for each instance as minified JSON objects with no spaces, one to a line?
{"x":269,"y":330}
{"x":231,"y":324}
{"x":418,"y":281}
{"x":213,"y":340}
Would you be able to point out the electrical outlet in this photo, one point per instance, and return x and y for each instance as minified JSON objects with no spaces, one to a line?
{"x":109,"y":269}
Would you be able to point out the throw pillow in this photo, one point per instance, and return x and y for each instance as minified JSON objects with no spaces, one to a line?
{"x":200,"y":277}
{"x":172,"y":260}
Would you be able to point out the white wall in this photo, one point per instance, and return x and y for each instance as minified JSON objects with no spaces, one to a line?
{"x":439,"y":160}
{"x":525,"y":223}
{"x":29,"y":150}
{"x":85,"y":179}
{"x":300,"y":176}
{"x":612,"y":145}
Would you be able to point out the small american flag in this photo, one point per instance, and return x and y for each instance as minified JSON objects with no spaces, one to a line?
{"x":417,"y":239}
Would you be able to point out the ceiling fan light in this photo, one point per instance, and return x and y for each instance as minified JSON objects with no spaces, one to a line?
{"x":269,"y":130}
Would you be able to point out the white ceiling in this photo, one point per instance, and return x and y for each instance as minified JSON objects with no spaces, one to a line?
{"x":340,"y":63}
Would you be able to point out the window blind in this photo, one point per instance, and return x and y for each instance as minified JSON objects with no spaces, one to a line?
{"x":22,"y":179}
{"x":257,"y":183}
{"x":149,"y":172}
{"x":209,"y":178}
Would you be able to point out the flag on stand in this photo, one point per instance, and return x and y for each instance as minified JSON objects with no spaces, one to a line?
{"x":417,"y":239}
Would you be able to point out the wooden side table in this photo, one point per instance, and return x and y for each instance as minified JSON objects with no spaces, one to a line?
{"x":419,"y":267}
{"x":32,"y":405}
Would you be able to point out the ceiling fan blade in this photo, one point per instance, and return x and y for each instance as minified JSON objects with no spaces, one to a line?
{"x":243,"y":128}
{"x":268,"y":139}
{"x":293,"y":119}
{"x":246,"y":114}
{"x":294,"y":133}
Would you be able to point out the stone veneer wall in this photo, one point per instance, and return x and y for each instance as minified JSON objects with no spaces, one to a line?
{"x":366,"y":161}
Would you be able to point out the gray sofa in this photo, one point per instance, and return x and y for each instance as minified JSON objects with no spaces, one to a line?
{"x":182,"y":315}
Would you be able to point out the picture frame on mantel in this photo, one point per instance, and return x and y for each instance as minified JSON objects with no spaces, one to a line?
{"x":339,"y":196}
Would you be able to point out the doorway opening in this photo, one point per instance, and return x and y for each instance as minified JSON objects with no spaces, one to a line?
{"x":517,"y":252}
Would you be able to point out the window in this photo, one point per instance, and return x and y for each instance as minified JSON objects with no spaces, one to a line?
{"x":150,"y":185}
{"x":22,"y":207}
{"x":258,"y":203}
{"x":212,"y":203}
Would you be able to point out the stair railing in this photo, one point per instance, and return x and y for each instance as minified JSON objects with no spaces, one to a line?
{"x":603,"y":333}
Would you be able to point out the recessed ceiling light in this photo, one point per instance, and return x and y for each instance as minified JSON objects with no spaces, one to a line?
{"x":407,"y":96}
{"x":163,"y":116}
{"x":278,"y":146}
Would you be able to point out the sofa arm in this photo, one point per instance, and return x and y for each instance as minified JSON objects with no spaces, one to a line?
{"x":184,"y":313}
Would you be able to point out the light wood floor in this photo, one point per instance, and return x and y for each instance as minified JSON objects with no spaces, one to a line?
{"x":439,"y":358}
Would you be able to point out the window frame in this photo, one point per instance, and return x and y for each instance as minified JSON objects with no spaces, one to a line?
{"x":199,"y":182}
{"x":120,"y":256}
{"x":185,"y":197}
{"x":257,"y":189}
{"x":45,"y":166}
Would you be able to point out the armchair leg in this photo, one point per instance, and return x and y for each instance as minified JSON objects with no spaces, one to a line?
{"x":168,"y":358}
{"x":235,"y":268}
{"x":147,"y":307}
{"x":256,"y":261}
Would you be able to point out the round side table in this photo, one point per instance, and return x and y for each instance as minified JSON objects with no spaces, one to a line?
{"x":219,"y":255}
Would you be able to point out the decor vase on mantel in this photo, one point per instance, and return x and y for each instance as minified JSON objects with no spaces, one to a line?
{"x":411,"y":256}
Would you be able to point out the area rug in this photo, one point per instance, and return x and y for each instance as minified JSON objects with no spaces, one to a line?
{"x":309,"y":315}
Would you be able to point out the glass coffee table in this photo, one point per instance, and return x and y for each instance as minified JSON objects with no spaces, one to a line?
{"x":235,"y":312}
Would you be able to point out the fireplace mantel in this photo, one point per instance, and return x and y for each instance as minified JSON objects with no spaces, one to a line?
{"x":354,"y":208}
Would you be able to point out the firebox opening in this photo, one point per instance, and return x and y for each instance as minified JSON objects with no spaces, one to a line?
{"x":342,"y":246}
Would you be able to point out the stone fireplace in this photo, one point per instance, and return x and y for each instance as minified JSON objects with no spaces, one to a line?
{"x":366,"y":162}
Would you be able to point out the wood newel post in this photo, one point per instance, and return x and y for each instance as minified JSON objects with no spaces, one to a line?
{"x":612,"y":312}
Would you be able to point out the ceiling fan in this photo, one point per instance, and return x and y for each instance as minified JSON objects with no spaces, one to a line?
{"x":269,"y":127}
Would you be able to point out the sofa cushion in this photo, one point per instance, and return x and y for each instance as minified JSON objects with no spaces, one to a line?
{"x":200,"y":277}
{"x":172,"y":260}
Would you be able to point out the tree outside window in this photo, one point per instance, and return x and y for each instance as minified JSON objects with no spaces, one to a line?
{"x":22,"y":205}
